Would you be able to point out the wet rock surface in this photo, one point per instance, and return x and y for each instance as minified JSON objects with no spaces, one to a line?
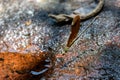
{"x":94,"y":56}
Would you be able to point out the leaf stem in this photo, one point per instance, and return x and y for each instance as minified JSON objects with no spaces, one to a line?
{"x":79,"y":35}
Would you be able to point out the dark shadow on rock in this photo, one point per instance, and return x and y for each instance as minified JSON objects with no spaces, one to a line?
{"x":109,"y":68}
{"x":110,"y":6}
{"x":42,"y":14}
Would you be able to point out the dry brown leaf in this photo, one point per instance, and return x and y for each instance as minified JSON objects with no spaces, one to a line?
{"x":27,"y":23}
{"x":74,"y":30}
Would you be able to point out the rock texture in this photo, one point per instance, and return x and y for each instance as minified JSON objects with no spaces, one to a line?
{"x":94,"y":56}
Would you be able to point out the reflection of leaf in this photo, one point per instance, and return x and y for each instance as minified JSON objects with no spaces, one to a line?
{"x":74,"y":30}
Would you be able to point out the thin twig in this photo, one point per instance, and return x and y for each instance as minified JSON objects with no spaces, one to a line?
{"x":66,"y":18}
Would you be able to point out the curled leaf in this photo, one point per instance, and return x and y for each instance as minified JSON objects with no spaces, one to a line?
{"x":74,"y":30}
